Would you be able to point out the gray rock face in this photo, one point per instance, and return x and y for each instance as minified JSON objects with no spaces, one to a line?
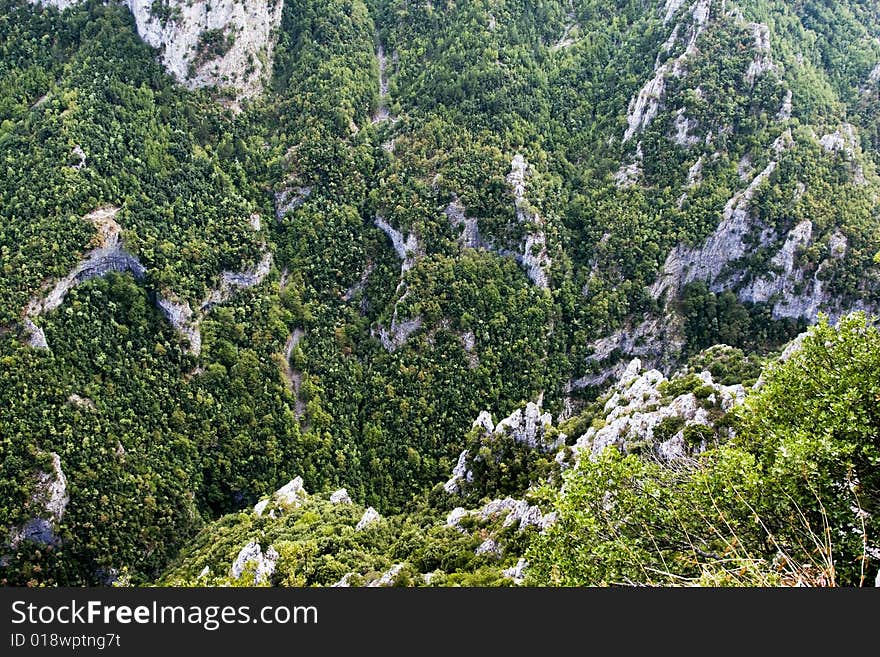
{"x":735,"y":237}
{"x":518,"y":572}
{"x":251,"y":556}
{"x":726,"y":244}
{"x":291,"y":376}
{"x":670,"y":9}
{"x":793,"y":293}
{"x":340,"y":497}
{"x":36,"y":337}
{"x":370,"y":516}
{"x":635,"y":410}
{"x":180,"y":316}
{"x":784,"y":281}
{"x":672,"y":449}
{"x":516,"y":512}
{"x":81,"y":402}
{"x":468,"y":344}
{"x":54,"y":487}
{"x":793,"y":347}
{"x":787,"y":107}
{"x":571,"y":28}
{"x":80,"y":154}
{"x":488,"y":547}
{"x":246,"y":28}
{"x":260,"y":507}
{"x":382,"y":114}
{"x":470,"y":230}
{"x":630,"y":173}
{"x":290,"y":199}
{"x":528,"y":426}
{"x":794,"y":289}
{"x":651,"y":339}
{"x":227,"y":43}
{"x":459,"y":473}
{"x":388,"y":578}
{"x":231,"y":281}
{"x":345,"y":582}
{"x":454,"y":518}
{"x":534,"y":256}
{"x":645,"y":106}
{"x":837,"y":245}
{"x":37,"y":530}
{"x":409,"y":250}
{"x":694,"y":178}
{"x":842,"y":140}
{"x":484,"y":421}
{"x":394,"y":337}
{"x":61,"y":5}
{"x":763,"y":61}
{"x":683,"y":128}
{"x":290,"y":494}
{"x":109,"y":256}
{"x":50,"y":496}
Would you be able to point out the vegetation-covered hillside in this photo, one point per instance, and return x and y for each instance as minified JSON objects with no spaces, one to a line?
{"x":425,"y":210}
{"x":716,"y":484}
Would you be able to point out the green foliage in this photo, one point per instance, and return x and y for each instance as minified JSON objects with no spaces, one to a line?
{"x":712,"y":319}
{"x":164,"y":12}
{"x":727,"y":365}
{"x":792,"y":499}
{"x":814,"y":423}
{"x":317,"y":544}
{"x":668,"y":427}
{"x":211,"y":45}
{"x":469,"y":85}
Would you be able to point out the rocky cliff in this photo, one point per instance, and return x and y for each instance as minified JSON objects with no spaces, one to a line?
{"x":785,"y":261}
{"x":48,"y":502}
{"x":224,"y":43}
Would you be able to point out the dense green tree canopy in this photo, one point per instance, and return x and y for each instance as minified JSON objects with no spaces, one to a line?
{"x":398,"y":217}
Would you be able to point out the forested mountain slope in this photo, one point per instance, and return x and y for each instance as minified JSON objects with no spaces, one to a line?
{"x":249,"y":241}
{"x":710,"y":477}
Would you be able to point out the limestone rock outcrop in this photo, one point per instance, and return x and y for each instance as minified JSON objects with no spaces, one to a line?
{"x":527,"y":426}
{"x":49,"y":499}
{"x":340,"y":496}
{"x":370,"y":517}
{"x":224,"y":43}
{"x":252,"y":556}
{"x":518,"y":572}
{"x":388,"y":577}
{"x":408,"y":250}
{"x":108,"y":256}
{"x":290,"y":494}
{"x":638,"y":407}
